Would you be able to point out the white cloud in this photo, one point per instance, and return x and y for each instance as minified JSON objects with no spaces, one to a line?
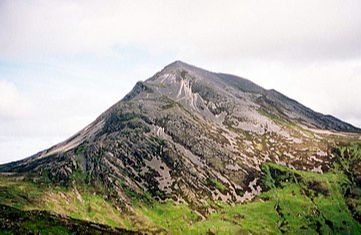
{"x":331,"y":88}
{"x":12,"y":103}
{"x":16,"y":148}
{"x":228,"y":29}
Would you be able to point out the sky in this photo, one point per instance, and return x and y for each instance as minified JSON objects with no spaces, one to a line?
{"x":62,"y":63}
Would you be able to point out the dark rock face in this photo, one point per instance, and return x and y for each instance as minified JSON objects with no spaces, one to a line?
{"x":190,"y":135}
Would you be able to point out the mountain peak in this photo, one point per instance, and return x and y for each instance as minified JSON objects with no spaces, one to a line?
{"x":179,"y":65}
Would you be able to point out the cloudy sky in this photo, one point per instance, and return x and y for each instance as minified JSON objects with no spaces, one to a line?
{"x":63,"y":62}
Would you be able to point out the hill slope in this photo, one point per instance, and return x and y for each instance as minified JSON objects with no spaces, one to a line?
{"x":192,"y":136}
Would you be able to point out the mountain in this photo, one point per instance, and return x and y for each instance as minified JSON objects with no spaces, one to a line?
{"x":192,"y":137}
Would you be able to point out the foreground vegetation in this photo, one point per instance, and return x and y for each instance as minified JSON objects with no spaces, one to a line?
{"x":14,"y":221}
{"x":293,"y":202}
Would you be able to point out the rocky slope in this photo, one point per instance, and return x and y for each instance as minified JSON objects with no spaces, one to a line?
{"x":182,"y":129}
{"x":190,"y":135}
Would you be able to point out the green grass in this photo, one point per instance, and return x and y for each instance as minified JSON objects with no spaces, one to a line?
{"x":217,"y":184}
{"x":15,"y":221}
{"x":44,"y":227}
{"x":311,"y":202}
{"x":257,"y":217}
{"x":277,"y":119}
{"x":20,"y":194}
{"x":348,"y":161}
{"x":169,"y":216}
{"x":88,"y":206}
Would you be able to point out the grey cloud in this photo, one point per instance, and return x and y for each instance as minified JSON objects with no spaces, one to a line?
{"x":308,"y":30}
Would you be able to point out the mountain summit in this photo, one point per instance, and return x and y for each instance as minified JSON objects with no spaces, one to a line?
{"x":190,"y":135}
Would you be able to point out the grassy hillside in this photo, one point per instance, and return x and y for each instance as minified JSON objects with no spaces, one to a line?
{"x":15,"y":221}
{"x":293,"y":202}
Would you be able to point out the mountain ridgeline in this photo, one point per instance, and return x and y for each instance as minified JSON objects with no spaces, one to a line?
{"x":197,"y":143}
